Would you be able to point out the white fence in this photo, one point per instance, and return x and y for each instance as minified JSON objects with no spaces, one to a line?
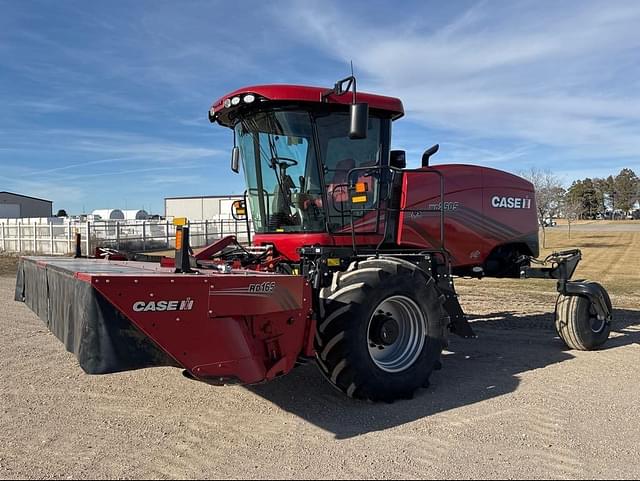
{"x":52,"y":238}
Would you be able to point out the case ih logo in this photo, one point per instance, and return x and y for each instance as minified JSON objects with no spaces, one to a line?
{"x":510,"y":202}
{"x":266,"y":287}
{"x":163,"y":306}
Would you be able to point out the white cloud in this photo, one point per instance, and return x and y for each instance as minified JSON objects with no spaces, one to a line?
{"x":562,"y":75}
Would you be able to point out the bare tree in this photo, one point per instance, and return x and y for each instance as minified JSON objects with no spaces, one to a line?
{"x":573,"y":210}
{"x":549,"y":195}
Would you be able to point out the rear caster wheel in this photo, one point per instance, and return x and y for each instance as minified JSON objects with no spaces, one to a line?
{"x":578,"y":325}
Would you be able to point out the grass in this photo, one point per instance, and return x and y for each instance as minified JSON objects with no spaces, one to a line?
{"x":610,"y":258}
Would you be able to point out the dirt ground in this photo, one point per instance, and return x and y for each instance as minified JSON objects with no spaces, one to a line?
{"x":512,"y":404}
{"x":8,"y":265}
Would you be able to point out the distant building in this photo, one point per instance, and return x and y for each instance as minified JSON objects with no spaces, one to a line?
{"x":16,"y":206}
{"x":108,"y":214}
{"x":136,"y":214}
{"x":214,"y":207}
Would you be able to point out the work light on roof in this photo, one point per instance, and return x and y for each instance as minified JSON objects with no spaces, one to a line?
{"x":227,"y":103}
{"x":235,"y":100}
{"x":249,"y":98}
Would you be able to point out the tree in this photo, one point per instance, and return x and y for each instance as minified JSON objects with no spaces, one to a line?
{"x":603,"y":192}
{"x":573,"y":210}
{"x":62,"y":213}
{"x":586,"y":192}
{"x":611,"y":196}
{"x":626,"y":188}
{"x":549,"y":195}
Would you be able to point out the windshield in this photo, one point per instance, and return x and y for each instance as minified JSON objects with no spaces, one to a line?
{"x":284,"y":188}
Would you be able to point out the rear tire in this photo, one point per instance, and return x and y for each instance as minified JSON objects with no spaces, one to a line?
{"x":380,"y":333}
{"x":578,"y":325}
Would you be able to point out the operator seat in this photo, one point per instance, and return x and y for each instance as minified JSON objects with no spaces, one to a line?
{"x":337,"y":186}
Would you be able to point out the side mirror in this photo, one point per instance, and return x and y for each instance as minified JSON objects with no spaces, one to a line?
{"x":239,"y":210}
{"x":398,"y":159}
{"x":359,"y":121}
{"x":428,"y":153}
{"x":235,"y":159}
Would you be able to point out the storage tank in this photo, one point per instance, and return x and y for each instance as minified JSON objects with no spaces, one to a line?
{"x":135,"y":214}
{"x":109,"y":214}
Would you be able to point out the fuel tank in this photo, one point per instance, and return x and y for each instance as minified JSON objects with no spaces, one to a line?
{"x":487,"y":211}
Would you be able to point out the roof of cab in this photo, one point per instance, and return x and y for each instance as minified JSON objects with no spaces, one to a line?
{"x":299,"y":93}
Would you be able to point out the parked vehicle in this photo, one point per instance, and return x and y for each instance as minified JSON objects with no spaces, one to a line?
{"x":352,"y":263}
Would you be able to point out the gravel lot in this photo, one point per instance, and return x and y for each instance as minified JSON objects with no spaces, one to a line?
{"x":511,"y":404}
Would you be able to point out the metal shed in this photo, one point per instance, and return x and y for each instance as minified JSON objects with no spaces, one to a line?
{"x":17,"y":206}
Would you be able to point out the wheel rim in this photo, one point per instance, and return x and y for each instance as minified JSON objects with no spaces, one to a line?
{"x":396,"y":334}
{"x":597,"y":325}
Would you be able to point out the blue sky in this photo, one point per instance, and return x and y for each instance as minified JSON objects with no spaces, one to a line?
{"x":104,"y":103}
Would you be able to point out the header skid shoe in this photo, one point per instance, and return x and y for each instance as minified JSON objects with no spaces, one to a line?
{"x":243,"y":327}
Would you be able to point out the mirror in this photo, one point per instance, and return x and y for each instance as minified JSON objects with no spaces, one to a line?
{"x":359,"y":121}
{"x":235,"y":159}
{"x":239,"y":210}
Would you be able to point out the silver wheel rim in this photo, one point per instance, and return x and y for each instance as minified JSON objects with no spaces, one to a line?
{"x":597,"y":325}
{"x":411,"y":323}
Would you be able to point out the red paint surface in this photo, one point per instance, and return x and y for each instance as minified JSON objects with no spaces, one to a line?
{"x":472,"y":224}
{"x":289,"y":244}
{"x":299,"y":93}
{"x":230,"y":332}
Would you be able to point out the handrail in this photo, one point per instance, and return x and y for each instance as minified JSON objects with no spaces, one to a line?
{"x":388,"y":210}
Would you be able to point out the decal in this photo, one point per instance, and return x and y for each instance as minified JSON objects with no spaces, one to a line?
{"x":448,"y":206}
{"x":498,"y":202}
{"x":163,"y":306}
{"x":266,"y":287}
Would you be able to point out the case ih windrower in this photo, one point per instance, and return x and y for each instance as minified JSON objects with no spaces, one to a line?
{"x":352,"y":262}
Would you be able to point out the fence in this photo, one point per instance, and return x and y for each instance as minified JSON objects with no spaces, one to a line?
{"x":132,"y":236}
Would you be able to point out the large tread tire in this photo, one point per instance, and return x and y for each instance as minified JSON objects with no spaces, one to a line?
{"x":574,"y":324}
{"x":342,"y":344}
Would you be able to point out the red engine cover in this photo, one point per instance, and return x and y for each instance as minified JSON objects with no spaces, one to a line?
{"x":484,"y":208}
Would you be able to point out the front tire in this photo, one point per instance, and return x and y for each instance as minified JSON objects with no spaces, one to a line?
{"x":380,"y":335}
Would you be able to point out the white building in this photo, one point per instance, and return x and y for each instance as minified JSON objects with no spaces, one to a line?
{"x":215,"y":207}
{"x":108,"y":214}
{"x":136,"y":214}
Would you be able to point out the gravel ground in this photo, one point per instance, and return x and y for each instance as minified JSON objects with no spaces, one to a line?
{"x":512,"y":404}
{"x":8,"y":265}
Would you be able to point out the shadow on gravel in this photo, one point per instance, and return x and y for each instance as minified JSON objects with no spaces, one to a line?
{"x":595,"y":245}
{"x":473,"y":371}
